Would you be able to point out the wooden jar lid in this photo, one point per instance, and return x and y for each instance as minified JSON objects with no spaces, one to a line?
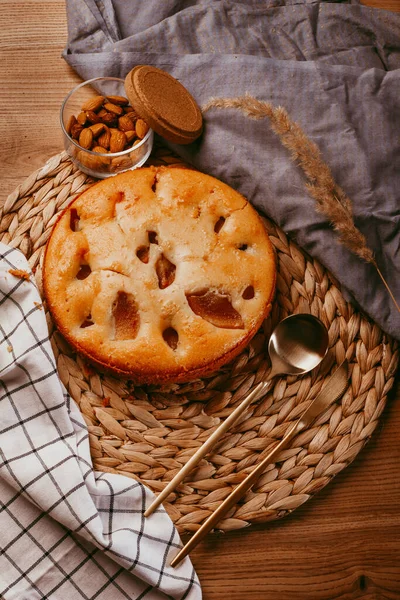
{"x":164,"y":103}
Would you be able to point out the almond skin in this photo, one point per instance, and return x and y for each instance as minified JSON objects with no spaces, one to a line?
{"x":129,"y":110}
{"x":97,"y":129}
{"x":92,"y":117}
{"x":99,"y":149}
{"x":119,"y":100}
{"x":125,"y":123}
{"x":120,"y":162}
{"x":82,"y":118}
{"x":76,"y":130}
{"x":117,"y":110}
{"x":104,"y":139}
{"x":70,"y":123}
{"x":100,"y":159}
{"x":86,"y":138}
{"x":141,"y":128}
{"x":92,"y":162}
{"x":93,"y":104}
{"x":117,"y":140}
{"x":110,"y":119}
{"x":130,"y":136}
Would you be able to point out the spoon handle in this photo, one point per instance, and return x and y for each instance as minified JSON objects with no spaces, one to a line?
{"x":259,"y":390}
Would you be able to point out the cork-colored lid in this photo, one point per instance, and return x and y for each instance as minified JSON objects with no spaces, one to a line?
{"x":164,"y":103}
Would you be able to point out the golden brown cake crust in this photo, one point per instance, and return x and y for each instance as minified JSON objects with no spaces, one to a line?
{"x":159,"y":274}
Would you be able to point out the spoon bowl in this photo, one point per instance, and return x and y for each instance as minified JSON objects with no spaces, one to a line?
{"x":297,"y":345}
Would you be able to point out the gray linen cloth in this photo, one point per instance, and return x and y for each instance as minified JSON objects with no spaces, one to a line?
{"x":335,"y":67}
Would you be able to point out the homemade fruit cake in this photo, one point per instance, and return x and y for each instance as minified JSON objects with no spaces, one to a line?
{"x":159,"y":274}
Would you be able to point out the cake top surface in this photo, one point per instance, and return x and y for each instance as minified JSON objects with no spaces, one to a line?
{"x":159,"y":272}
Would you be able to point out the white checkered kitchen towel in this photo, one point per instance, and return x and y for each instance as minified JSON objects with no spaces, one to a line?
{"x":66,"y":531}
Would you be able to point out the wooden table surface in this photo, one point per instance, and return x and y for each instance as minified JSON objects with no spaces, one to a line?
{"x":345,"y":542}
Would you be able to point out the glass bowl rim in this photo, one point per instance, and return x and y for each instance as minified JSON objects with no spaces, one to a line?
{"x":90,"y":152}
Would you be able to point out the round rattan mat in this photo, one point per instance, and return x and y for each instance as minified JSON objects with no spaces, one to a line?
{"x":148,"y":433}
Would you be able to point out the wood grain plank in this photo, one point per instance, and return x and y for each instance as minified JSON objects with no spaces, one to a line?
{"x":393,"y":5}
{"x":344,"y":543}
{"x":35,"y":79}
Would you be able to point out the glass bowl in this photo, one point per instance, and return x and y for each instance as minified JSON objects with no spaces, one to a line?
{"x":97,"y":164}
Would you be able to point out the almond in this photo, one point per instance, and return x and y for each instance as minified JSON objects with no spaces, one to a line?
{"x":92,"y":117}
{"x":82,"y":118}
{"x":104,"y":139}
{"x":120,"y":100}
{"x":117,"y":110}
{"x":97,"y":129}
{"x":99,"y":149}
{"x":130,"y":136}
{"x":94,"y":104}
{"x":70,"y":123}
{"x":110,"y":119}
{"x":86,"y":138}
{"x":126,"y":124}
{"x":100,"y":159}
{"x":76,"y":130}
{"x":135,"y":155}
{"x":141,"y":128}
{"x":120,"y":162}
{"x":129,"y":110}
{"x":117,"y":140}
{"x":102,"y":112}
{"x":92,"y":162}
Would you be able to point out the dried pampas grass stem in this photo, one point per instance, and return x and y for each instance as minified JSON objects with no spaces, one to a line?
{"x":330,"y":198}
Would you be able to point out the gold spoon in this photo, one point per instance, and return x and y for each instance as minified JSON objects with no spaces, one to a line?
{"x":296,"y":346}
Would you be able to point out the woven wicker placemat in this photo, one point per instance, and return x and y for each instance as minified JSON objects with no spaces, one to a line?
{"x":149,"y":432}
